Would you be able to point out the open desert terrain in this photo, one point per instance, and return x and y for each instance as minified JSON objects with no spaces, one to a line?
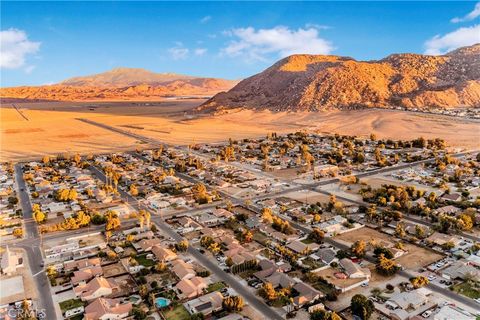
{"x":53,"y":127}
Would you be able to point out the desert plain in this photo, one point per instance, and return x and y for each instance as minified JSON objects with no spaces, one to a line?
{"x":34,"y":129}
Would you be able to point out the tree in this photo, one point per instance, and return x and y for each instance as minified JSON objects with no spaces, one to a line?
{"x":200,"y":193}
{"x":46,"y":159}
{"x":359,"y":248}
{"x":138,"y":313}
{"x":39,"y":216}
{"x":113,"y":221}
{"x":322,"y":314}
{"x":182,"y":246}
{"x":383,"y":251}
{"x":206,"y":241}
{"x":12,"y":200}
{"x":26,"y":313}
{"x":464,"y":222}
{"x":160,"y":267}
{"x":233,"y":304}
{"x":419,"y":231}
{"x":143,"y":290}
{"x":267,"y":215}
{"x":18,"y":232}
{"x":419,"y":281}
{"x":52,"y":274}
{"x":268,"y":291}
{"x":247,"y":236}
{"x":385,"y":266}
{"x":448,"y":245}
{"x":316,"y":235}
{"x":133,"y":190}
{"x":400,"y":230}
{"x":361,"y":306}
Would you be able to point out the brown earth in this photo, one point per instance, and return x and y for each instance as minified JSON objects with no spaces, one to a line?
{"x":120,"y":84}
{"x":317,"y":82}
{"x":53,"y":128}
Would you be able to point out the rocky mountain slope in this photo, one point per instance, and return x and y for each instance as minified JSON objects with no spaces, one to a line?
{"x":122,"y":84}
{"x":317,"y":82}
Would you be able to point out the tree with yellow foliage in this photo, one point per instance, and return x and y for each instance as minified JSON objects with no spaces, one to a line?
{"x":267,"y":215}
{"x":359,"y":248}
{"x":419,"y":281}
{"x":268,"y":292}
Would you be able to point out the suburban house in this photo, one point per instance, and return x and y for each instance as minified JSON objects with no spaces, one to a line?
{"x":163,"y":254}
{"x":238,"y":254}
{"x":440,"y":239}
{"x":85,"y":274}
{"x":190,"y":288}
{"x":451,"y":312}
{"x":334,"y":225}
{"x":326,"y":255}
{"x":460,"y":270}
{"x":268,"y":267}
{"x":306,"y":294}
{"x":146,"y":244}
{"x":96,"y":288}
{"x":81,"y":264}
{"x":302,"y":248}
{"x":107,"y":309}
{"x":11,"y":261}
{"x":182,"y":269}
{"x":206,"y":304}
{"x":406,"y":305}
{"x":353,"y":270}
{"x":279,"y":279}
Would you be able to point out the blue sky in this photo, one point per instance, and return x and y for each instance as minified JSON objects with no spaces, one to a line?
{"x":45,"y":42}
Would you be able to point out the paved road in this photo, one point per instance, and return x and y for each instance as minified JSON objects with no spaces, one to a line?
{"x":252,"y":299}
{"x":29,"y":223}
{"x":255,"y":302}
{"x":31,"y":245}
{"x":406,"y":274}
{"x":405,"y":216}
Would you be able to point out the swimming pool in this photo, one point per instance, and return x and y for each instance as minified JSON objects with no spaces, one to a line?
{"x":161,"y":302}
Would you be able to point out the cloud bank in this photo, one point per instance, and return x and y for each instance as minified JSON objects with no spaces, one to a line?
{"x":258,"y":44}
{"x":15,"y":47}
{"x":441,"y":44}
{"x":475,"y":13}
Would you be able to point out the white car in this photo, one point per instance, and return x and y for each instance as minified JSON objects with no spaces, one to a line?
{"x":427,"y":314}
{"x":432,"y":277}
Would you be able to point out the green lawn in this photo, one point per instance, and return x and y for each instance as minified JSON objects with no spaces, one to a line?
{"x":260,"y":238}
{"x":142,"y":259}
{"x":469,"y":289}
{"x":177,"y":313}
{"x":217,"y":286}
{"x":307,"y":241}
{"x":71,"y":304}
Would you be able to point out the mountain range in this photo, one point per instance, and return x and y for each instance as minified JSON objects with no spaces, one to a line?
{"x":296,"y":83}
{"x":122,"y":84}
{"x":320,"y":82}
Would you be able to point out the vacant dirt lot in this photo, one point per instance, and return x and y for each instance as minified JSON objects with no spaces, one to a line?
{"x":51,"y":127}
{"x":415,"y":258}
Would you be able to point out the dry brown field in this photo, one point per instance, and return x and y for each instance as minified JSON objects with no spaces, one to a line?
{"x":53,"y":127}
{"x":415,"y":258}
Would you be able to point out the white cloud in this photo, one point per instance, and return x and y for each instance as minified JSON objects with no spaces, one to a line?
{"x":459,"y":38}
{"x":205,"y":19}
{"x":200,"y":51}
{"x":179,"y":52}
{"x":475,"y":13}
{"x":257,"y":44}
{"x":14,"y":48}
